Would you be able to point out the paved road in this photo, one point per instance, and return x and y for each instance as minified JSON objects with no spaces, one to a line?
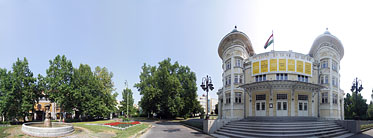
{"x":166,"y":129}
{"x":366,"y":134}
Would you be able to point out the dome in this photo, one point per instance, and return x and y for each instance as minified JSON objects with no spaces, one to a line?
{"x":327,"y":39}
{"x":231,"y":38}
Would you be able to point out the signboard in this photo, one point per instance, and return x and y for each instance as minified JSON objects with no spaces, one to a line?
{"x":273,"y":64}
{"x":308,"y":68}
{"x":291,"y":65}
{"x":282,"y":64}
{"x":256,"y":67}
{"x":299,"y":66}
{"x":264,"y":66}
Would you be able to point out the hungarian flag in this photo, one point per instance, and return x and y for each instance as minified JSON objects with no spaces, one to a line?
{"x":269,"y":41}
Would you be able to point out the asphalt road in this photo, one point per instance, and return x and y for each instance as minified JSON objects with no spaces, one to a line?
{"x":164,"y":129}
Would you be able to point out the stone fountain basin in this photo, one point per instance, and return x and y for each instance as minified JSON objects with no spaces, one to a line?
{"x":38,"y":129}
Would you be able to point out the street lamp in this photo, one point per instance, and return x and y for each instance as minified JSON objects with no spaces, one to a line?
{"x":125,"y":83}
{"x":206,"y":85}
{"x":355,"y":88}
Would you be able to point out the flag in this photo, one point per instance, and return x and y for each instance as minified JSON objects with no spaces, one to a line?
{"x":269,"y":41}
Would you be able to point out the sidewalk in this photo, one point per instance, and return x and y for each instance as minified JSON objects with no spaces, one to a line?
{"x":366,"y":134}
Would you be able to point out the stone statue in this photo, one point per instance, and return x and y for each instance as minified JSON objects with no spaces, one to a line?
{"x":47,"y":120}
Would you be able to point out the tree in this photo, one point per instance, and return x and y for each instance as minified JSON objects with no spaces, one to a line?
{"x":370,"y":108}
{"x":123,"y":103}
{"x":106,"y":86}
{"x":350,"y":108}
{"x":93,"y":92}
{"x":24,"y":93}
{"x":216,"y":109}
{"x":169,"y":90}
{"x":5,"y":92}
{"x":59,"y":88}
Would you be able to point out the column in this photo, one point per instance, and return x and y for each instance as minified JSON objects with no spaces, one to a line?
{"x":232,"y":85}
{"x":331,"y":115}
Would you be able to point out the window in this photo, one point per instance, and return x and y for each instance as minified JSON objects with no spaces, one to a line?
{"x":284,"y":106}
{"x":335,"y":98}
{"x":241,"y":78}
{"x":226,"y":81}
{"x":228,"y":64}
{"x":282,"y":96}
{"x":333,"y":81}
{"x":305,"y":106}
{"x":263,"y":106}
{"x":281,"y":76}
{"x":324,"y":63}
{"x":260,"y":97}
{"x":260,"y":78}
{"x":235,"y":79}
{"x":324,"y":98}
{"x":238,"y":63}
{"x":326,"y":79}
{"x":238,"y":97}
{"x":227,"y":98}
{"x":302,"y":78}
{"x":229,"y":80}
{"x":257,"y":106}
{"x":334,"y":66}
{"x":322,"y":80}
{"x":300,"y":106}
{"x":278,"y":105}
{"x":302,"y":97}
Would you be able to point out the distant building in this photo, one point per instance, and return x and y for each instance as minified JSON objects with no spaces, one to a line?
{"x":211,"y":105}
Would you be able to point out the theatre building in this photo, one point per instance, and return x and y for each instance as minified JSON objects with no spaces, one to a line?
{"x":280,"y":83}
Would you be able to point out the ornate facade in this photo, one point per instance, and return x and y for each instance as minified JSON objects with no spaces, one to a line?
{"x":280,"y":83}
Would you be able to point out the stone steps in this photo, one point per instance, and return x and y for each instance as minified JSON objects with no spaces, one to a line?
{"x":246,"y":128}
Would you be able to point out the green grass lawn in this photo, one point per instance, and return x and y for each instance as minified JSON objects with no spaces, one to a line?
{"x":366,"y":126}
{"x":2,"y":131}
{"x":119,"y":133}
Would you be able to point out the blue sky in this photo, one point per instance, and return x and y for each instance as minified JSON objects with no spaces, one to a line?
{"x":123,"y":35}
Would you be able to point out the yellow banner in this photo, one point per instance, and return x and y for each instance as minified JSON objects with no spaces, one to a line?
{"x":256,"y":67}
{"x":264,"y":66}
{"x":308,"y":68}
{"x":291,"y":65}
{"x":282,"y":64}
{"x":273,"y":64}
{"x":299,"y":66}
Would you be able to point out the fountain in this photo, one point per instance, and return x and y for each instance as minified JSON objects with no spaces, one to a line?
{"x":47,"y":129}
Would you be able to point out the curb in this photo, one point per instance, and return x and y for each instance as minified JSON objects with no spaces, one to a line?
{"x":138,"y":134}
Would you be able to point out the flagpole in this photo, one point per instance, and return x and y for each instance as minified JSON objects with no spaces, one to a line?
{"x":273,"y":36}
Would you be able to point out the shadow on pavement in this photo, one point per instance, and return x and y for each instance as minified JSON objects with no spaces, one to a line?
{"x":171,"y":130}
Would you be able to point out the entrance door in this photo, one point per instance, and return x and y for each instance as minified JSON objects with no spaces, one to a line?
{"x":260,"y":108}
{"x":303,"y":108}
{"x":282,"y":108}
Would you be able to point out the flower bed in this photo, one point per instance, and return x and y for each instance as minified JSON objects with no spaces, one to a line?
{"x":122,"y":125}
{"x":117,"y":123}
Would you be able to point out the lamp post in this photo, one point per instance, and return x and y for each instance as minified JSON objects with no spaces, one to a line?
{"x":355,"y":88}
{"x":125,"y":83}
{"x":206,"y":85}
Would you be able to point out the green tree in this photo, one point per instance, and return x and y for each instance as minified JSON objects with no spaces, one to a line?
{"x":106,"y":87}
{"x":351,"y":104}
{"x":123,"y":103}
{"x":370,"y":110}
{"x":93,"y":92}
{"x":216,"y":109}
{"x":24,"y":93}
{"x":5,"y":93}
{"x":59,"y":88}
{"x":169,"y":90}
